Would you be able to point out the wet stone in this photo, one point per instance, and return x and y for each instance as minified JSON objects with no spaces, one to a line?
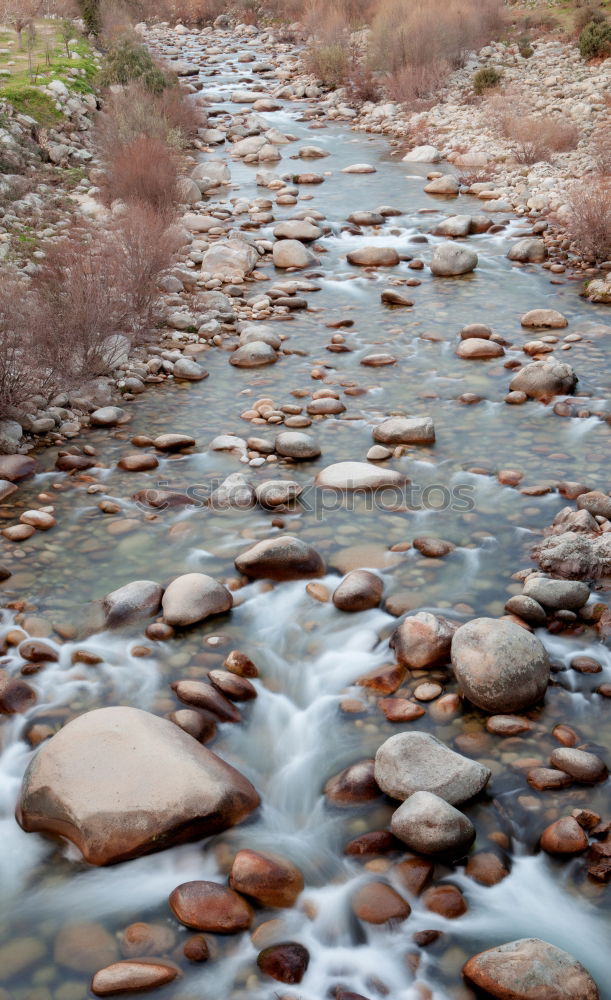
{"x":208,"y":906}
{"x":379,"y":903}
{"x":286,"y":962}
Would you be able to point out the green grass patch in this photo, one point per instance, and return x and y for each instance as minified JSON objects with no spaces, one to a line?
{"x":31,"y":101}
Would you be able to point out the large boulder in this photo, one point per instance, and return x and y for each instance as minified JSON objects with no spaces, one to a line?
{"x":347,"y":476}
{"x":423,"y":640}
{"x":447,"y":185}
{"x":297,"y":229}
{"x":550,"y":319}
{"x":575,"y":556}
{"x":193,"y":597}
{"x":271,"y":880}
{"x":253,"y":354}
{"x":296,"y":445}
{"x":499,"y":665}
{"x":405,"y":430}
{"x":544,"y":379}
{"x":422,"y":154}
{"x":230,"y":259}
{"x":282,"y":558}
{"x":119,"y":783}
{"x":530,"y":969}
{"x":418,"y":762}
{"x":430,"y":825}
{"x":360,"y":590}
{"x":451,"y":259}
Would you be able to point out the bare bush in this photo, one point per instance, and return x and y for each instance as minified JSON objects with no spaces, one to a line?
{"x":600,"y":146}
{"x":536,"y":137}
{"x":144,"y":171}
{"x":191,"y":12}
{"x":146,"y":246}
{"x":21,"y":372}
{"x":418,"y":42}
{"x":589,"y":220}
{"x":133,"y":112}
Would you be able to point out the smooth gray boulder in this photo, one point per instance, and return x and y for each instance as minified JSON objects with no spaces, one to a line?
{"x":500,"y":666}
{"x":568,"y":595}
{"x":529,"y":249}
{"x":193,"y":597}
{"x":405,"y":430}
{"x":544,"y":379}
{"x":136,"y":600}
{"x":292,"y":253}
{"x":254,"y":354}
{"x":282,"y":558}
{"x":450,"y":260}
{"x":430,"y":825}
{"x":418,"y":762}
{"x":347,"y":476}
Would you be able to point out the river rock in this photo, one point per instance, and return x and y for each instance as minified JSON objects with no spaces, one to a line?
{"x":285,"y":557}
{"x":528,"y":250}
{"x":133,"y":602}
{"x":208,"y":906}
{"x":286,"y":962}
{"x":379,"y":903}
{"x":205,"y":696}
{"x":530,"y":969}
{"x":416,"y":761}
{"x":234,"y":493}
{"x":447,"y":185}
{"x":296,"y":445}
{"x":193,"y":597}
{"x":260,"y":332}
{"x":570,"y":595}
{"x":456,"y":226}
{"x":189,"y":370}
{"x":391,"y":297}
{"x":359,"y":168}
{"x":373,"y":257}
{"x":271,"y":880}
{"x":451,"y":259}
{"x":474,"y":349}
{"x":347,"y":476}
{"x":579,"y":764}
{"x":133,"y":976}
{"x":255,"y":354}
{"x":430,"y":825}
{"x":422,"y":154}
{"x":353,"y":785}
{"x":173,"y":442}
{"x":405,"y":430}
{"x":422,"y":641}
{"x":230,"y":259}
{"x":108,"y":416}
{"x":84,"y":947}
{"x":277,"y":492}
{"x":360,"y":590}
{"x":544,"y":379}
{"x":499,"y":665}
{"x":297,"y":229}
{"x":564,"y":836}
{"x":137,"y":462}
{"x":595,"y":502}
{"x":544,"y":319}
{"x":292,"y":253}
{"x":14,"y":468}
{"x":574,"y":556}
{"x":154,"y":786}
{"x":366,"y":218}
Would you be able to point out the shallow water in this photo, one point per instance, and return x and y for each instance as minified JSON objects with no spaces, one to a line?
{"x":295,"y":735}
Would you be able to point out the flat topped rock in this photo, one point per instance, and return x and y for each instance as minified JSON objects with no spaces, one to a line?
{"x":348,"y":476}
{"x":405,"y":430}
{"x":359,"y":168}
{"x":530,"y":969}
{"x":119,"y":783}
{"x":132,"y":976}
{"x":283,"y":558}
{"x":418,"y":762}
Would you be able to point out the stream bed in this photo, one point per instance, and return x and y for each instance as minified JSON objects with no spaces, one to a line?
{"x":304,"y":726}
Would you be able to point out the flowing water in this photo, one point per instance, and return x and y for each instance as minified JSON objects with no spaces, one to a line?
{"x":297,"y":733}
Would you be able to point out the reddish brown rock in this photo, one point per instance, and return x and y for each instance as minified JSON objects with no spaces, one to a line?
{"x":353,"y":785}
{"x":37,"y":651}
{"x":233,"y":687}
{"x":360,"y":590}
{"x":14,"y":468}
{"x":486,"y":868}
{"x":446,"y":900}
{"x":202,"y":695}
{"x":200,"y":725}
{"x":142,"y":939}
{"x":84,"y":947}
{"x":284,"y":557}
{"x":133,"y":975}
{"x":379,"y":903}
{"x":137,"y":462}
{"x":286,"y":962}
{"x":546,"y":778}
{"x":376,"y":842}
{"x":16,"y":696}
{"x":565,"y":836}
{"x":507,"y":725}
{"x":208,"y":906}
{"x":196,"y":948}
{"x":271,"y":880}
{"x":422,"y":640}
{"x":401,"y":709}
{"x":238,"y":663}
{"x":433,"y":548}
{"x":414,"y":874}
{"x":383,"y":680}
{"x":529,"y":969}
{"x":565,"y":735}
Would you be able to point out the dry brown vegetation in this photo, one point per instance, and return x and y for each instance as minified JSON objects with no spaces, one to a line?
{"x":537,"y":137}
{"x":589,"y":221}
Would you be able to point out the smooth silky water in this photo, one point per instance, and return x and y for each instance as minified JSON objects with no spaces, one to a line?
{"x":294,"y":735}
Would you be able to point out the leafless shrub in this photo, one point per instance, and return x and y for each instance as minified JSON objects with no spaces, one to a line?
{"x":192,"y":12}
{"x":133,"y":112}
{"x":537,"y":137}
{"x":21,"y":373}
{"x":144,"y":171}
{"x":145,"y":246}
{"x":589,"y":221}
{"x":363,"y":84}
{"x":601,"y":149}
{"x":415,"y":86}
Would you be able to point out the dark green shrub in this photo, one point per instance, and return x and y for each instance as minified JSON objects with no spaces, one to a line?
{"x":595,"y":40}
{"x":127,"y":61}
{"x":486,"y":78}
{"x":90,"y":12}
{"x":525,"y":48}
